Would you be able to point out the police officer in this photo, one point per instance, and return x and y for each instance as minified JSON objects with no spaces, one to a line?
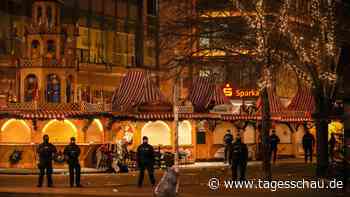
{"x":332,"y":142}
{"x":239,"y":157}
{"x":228,"y":138}
{"x":145,"y":161}
{"x":308,"y":144}
{"x":274,"y":141}
{"x":71,"y":154}
{"x":46,"y":153}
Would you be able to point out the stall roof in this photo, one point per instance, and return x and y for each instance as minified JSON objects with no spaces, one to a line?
{"x":136,"y":88}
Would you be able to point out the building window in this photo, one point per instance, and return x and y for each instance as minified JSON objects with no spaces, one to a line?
{"x":49,"y":15}
{"x":30,"y":88}
{"x":51,"y":48}
{"x":39,"y":14}
{"x":53,"y":89}
{"x":35,"y":51}
{"x":69,"y":89}
{"x":152,"y":7}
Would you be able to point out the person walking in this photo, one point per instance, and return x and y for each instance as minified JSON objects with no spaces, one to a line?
{"x":46,"y":152}
{"x":71,"y":154}
{"x":228,"y":138}
{"x":239,"y":158}
{"x":145,"y":161}
{"x":332,"y":142}
{"x":308,"y":144}
{"x":274,"y":141}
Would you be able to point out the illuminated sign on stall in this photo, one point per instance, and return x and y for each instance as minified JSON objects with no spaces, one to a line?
{"x":230,"y":92}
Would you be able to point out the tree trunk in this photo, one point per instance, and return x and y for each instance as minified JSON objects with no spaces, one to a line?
{"x":346,"y":150}
{"x":266,"y":124}
{"x":321,"y":120}
{"x":322,"y":147}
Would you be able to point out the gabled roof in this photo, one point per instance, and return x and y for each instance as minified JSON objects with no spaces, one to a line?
{"x":205,"y":92}
{"x":302,"y":101}
{"x":136,"y":88}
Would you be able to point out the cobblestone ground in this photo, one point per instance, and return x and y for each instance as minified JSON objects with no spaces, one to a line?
{"x":194,"y":182}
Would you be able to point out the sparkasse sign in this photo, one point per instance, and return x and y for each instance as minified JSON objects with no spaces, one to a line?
{"x":231,"y":92}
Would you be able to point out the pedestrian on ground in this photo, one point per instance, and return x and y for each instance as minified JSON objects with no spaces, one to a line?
{"x":274,"y":141}
{"x":145,"y":161}
{"x":228,"y":138}
{"x":46,"y":152}
{"x":239,"y":157}
{"x":72,"y":153}
{"x":332,"y":142}
{"x":308,"y":144}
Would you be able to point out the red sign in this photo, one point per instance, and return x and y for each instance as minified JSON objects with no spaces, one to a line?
{"x":242,"y":93}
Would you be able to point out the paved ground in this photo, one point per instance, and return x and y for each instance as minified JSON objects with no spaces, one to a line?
{"x":193,"y":183}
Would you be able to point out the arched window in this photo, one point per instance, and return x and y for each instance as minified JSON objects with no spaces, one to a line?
{"x":185,"y":133}
{"x":35,"y":49}
{"x":30,"y":88}
{"x":53,"y":89}
{"x":158,"y":133}
{"x":15,"y":132}
{"x":69,"y":89}
{"x":49,"y":15}
{"x":51,"y":47}
{"x":39,"y":14}
{"x":60,"y":131}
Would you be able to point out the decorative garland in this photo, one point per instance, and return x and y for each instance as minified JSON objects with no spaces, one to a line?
{"x":59,"y":158}
{"x":15,"y":157}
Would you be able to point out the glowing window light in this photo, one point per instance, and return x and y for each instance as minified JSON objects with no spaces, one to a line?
{"x":155,"y":136}
{"x":99,"y":124}
{"x":64,"y":121}
{"x":3,"y":128}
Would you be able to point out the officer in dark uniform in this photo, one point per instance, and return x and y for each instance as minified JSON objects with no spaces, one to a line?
{"x":239,"y":157}
{"x":145,"y":161}
{"x":228,"y":138}
{"x":308,"y":144}
{"x":274,"y":141}
{"x":46,"y":153}
{"x":332,"y":142}
{"x":71,"y":154}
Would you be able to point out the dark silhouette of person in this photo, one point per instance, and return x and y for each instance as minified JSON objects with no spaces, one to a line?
{"x":239,"y":158}
{"x":332,"y":142}
{"x":228,"y":138}
{"x":274,"y":141}
{"x":46,"y":153}
{"x":145,"y":161}
{"x":71,"y":153}
{"x":308,"y":144}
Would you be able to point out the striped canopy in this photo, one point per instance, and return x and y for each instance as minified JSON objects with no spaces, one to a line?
{"x":136,"y":88}
{"x":205,"y":92}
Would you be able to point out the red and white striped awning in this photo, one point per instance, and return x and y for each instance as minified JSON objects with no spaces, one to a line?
{"x":129,"y":92}
{"x":200,"y":92}
{"x":274,"y":102}
{"x":136,"y":88}
{"x":302,"y":101}
{"x":217,"y":96}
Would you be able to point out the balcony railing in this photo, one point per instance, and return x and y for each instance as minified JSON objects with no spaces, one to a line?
{"x":45,"y":62}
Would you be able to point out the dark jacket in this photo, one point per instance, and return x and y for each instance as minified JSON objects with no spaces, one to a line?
{"x":308,"y":140}
{"x":332,"y":142}
{"x":228,"y":138}
{"x":46,"y":153}
{"x":145,"y":155}
{"x":71,"y":154}
{"x":274,"y":141}
{"x":239,"y":152}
